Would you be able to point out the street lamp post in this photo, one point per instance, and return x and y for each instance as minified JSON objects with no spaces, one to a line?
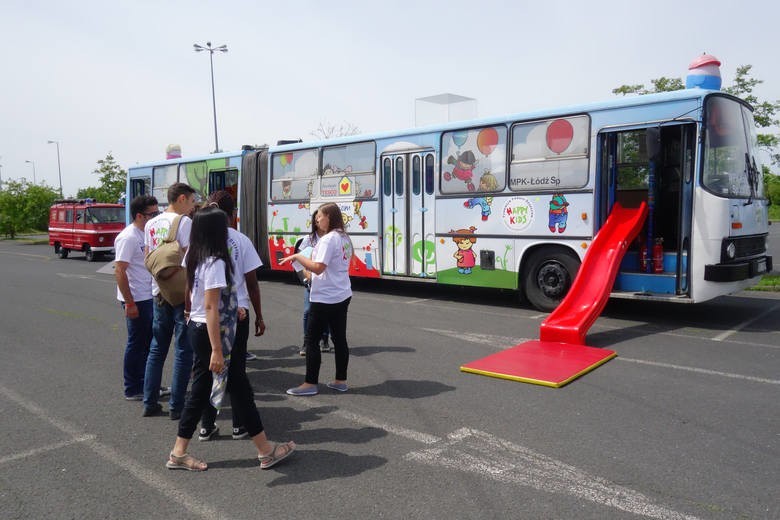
{"x":59,"y":169}
{"x":33,"y":163}
{"x":212,"y":50}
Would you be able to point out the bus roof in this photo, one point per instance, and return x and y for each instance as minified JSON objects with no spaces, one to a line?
{"x":196,"y":158}
{"x":618,"y":102}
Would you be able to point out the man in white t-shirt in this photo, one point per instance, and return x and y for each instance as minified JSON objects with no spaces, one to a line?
{"x":134,"y":291}
{"x":168,"y":319}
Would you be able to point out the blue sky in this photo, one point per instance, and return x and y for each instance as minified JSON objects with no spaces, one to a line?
{"x":121,"y":76}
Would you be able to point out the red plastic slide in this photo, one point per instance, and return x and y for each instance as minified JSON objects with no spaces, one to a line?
{"x":570,"y":321}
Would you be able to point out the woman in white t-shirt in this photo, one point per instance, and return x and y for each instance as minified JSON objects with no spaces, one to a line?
{"x":213,"y":309}
{"x":331,"y":293}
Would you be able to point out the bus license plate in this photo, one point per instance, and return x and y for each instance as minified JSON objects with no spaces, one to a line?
{"x":761,"y":266}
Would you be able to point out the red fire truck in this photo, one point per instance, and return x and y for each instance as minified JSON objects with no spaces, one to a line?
{"x":83,"y":225}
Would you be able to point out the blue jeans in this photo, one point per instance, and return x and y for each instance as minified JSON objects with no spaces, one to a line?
{"x":167,"y":320}
{"x":139,"y":336}
{"x":307,"y":312}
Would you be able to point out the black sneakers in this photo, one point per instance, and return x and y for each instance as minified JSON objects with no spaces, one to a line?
{"x":206,"y":434}
{"x":155,"y":409}
{"x":240,"y":433}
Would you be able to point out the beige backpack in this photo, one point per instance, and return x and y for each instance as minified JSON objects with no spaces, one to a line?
{"x":165,"y":265}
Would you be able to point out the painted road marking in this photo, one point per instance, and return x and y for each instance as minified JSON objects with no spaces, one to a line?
{"x":491,"y":457}
{"x":746,"y":323}
{"x":87,"y":277}
{"x":499,"y":342}
{"x":30,"y":255}
{"x":114,"y":457}
{"x":51,"y":447}
{"x":701,"y":371}
{"x":503,"y":342}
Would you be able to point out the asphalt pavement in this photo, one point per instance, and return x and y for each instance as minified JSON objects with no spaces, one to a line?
{"x":683,"y":424}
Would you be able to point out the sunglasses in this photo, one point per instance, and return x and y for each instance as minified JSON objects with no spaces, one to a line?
{"x":151,"y":214}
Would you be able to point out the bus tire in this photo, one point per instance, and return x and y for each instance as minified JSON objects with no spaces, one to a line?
{"x":64,"y":252}
{"x":89,"y":254}
{"x":56,"y":248}
{"x":547,"y":276}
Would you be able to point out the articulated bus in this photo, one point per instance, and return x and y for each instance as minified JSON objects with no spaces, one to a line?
{"x":514,"y":202}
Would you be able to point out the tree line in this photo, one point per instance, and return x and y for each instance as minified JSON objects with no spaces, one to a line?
{"x":24,"y":206}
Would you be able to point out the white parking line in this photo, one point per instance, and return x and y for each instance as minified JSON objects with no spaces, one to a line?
{"x":51,"y":447}
{"x":701,"y":370}
{"x":500,"y":342}
{"x":726,"y":334}
{"x":497,"y":459}
{"x":87,"y":277}
{"x":504,"y":342}
{"x":112,"y":456}
{"x":491,"y":457}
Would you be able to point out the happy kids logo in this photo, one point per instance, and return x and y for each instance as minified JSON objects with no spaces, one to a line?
{"x":518,"y":213}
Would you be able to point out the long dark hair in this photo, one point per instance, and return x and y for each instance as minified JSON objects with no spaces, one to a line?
{"x":208,"y":237}
{"x":335,"y":221}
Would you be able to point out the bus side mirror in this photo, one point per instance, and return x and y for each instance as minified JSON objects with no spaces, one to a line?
{"x":653,"y":137}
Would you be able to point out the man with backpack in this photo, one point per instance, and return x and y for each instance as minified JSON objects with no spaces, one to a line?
{"x":169,"y":319}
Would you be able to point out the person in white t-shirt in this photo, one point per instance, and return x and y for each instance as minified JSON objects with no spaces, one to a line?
{"x":245,"y":261}
{"x":213,"y":309}
{"x":168,"y":319}
{"x":307,"y":243}
{"x":331,"y":292}
{"x":134,"y":291}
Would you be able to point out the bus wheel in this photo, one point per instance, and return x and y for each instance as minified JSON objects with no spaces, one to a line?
{"x":89,"y":254}
{"x":56,"y":248}
{"x":548,"y":275}
{"x":64,"y":252}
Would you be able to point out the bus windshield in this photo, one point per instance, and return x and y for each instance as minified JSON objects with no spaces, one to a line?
{"x":731,"y":150}
{"x":104,"y":215}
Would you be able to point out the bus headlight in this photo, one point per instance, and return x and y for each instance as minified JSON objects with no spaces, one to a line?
{"x":731,"y":250}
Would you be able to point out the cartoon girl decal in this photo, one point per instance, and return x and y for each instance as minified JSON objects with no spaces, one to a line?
{"x":464,"y":168}
{"x":465,"y":257}
{"x":487,"y":182}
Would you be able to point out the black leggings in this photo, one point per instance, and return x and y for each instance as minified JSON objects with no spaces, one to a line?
{"x":321,"y":317}
{"x":241,"y":395}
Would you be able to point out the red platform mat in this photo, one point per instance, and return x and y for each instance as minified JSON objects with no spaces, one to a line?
{"x":544,"y":363}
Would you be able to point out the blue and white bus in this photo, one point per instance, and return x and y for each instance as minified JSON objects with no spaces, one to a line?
{"x":514,"y":202}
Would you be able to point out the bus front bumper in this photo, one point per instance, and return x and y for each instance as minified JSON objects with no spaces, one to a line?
{"x":737,"y":271}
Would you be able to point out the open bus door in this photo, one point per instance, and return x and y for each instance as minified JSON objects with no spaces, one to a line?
{"x":654,"y":165}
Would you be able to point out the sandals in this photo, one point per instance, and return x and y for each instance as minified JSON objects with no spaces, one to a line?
{"x":186,"y":461}
{"x":279,"y":452}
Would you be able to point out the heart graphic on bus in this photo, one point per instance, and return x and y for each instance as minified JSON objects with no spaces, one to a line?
{"x":345,"y":186}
